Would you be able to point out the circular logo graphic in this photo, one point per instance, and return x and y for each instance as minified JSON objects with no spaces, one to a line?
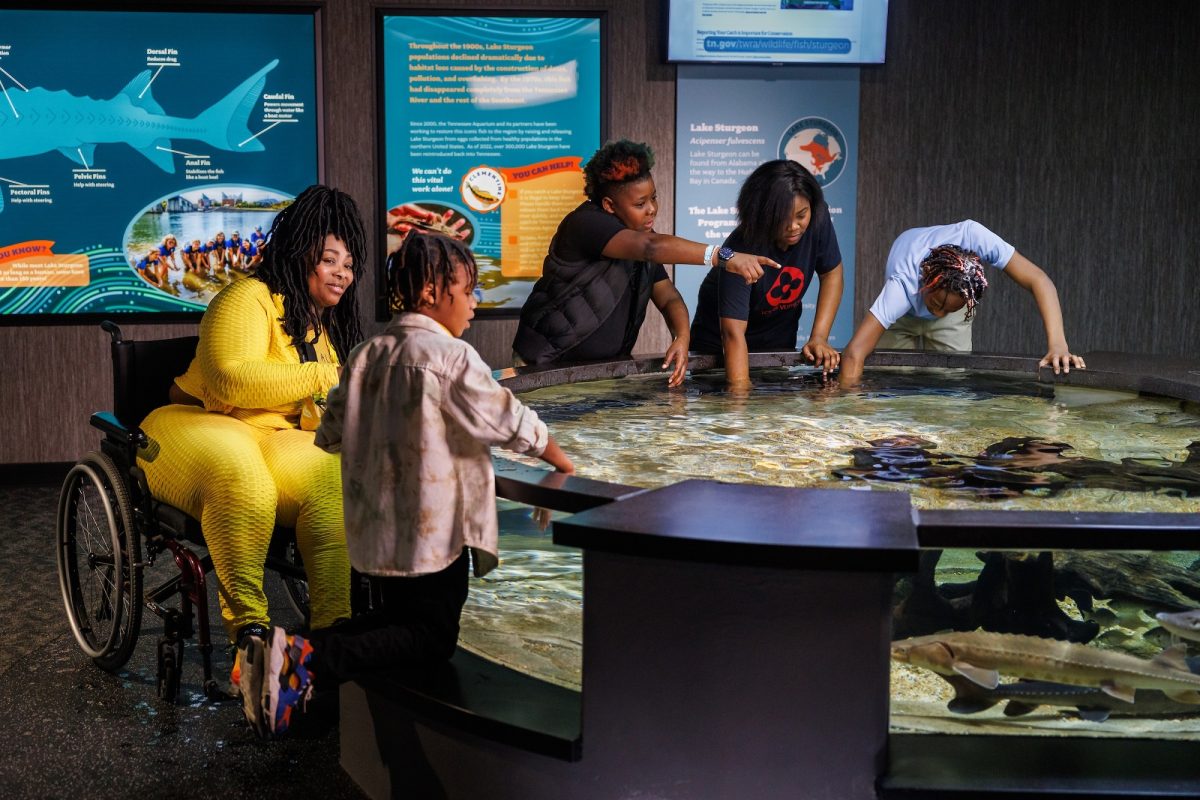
{"x":816,"y":144}
{"x":483,"y":189}
{"x":787,"y":289}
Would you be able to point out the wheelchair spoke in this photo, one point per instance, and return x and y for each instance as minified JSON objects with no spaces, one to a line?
{"x":98,"y":549}
{"x":100,"y":587}
{"x":93,"y":524}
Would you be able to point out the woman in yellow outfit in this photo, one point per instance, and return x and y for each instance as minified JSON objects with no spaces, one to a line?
{"x":232,"y":450}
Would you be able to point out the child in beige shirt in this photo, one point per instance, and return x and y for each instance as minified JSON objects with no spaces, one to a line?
{"x":414,"y":417}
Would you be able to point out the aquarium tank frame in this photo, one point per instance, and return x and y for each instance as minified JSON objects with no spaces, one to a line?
{"x":634,"y":555}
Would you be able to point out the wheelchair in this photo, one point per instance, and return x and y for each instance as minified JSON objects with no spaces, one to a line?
{"x":110,"y":529}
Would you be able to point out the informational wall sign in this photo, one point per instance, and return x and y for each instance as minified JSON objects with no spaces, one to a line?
{"x":487,"y":122}
{"x":731,"y":119}
{"x":142,"y":153}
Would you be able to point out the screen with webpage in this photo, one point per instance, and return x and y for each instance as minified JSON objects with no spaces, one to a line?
{"x":777,"y":31}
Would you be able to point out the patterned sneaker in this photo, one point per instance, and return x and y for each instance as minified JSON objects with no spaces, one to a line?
{"x":288,"y":679}
{"x":249,"y":669}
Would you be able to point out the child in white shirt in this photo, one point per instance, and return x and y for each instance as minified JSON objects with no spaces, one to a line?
{"x":935,"y":280}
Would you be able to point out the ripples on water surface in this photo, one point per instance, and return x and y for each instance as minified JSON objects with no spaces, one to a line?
{"x":791,"y":432}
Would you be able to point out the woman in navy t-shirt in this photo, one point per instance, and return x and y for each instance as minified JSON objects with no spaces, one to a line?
{"x":782,"y":214}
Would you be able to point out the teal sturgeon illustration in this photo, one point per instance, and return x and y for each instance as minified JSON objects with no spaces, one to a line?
{"x":46,"y":120}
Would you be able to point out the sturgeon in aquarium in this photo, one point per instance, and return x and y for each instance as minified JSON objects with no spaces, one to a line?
{"x":1024,"y":697}
{"x":46,"y":120}
{"x":982,"y":657}
{"x":1184,"y":624}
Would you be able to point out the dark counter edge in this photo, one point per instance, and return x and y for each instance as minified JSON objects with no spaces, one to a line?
{"x":647,"y":545}
{"x":477,"y":696}
{"x":956,"y":767}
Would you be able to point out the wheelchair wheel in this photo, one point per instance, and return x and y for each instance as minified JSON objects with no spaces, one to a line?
{"x":98,"y":570}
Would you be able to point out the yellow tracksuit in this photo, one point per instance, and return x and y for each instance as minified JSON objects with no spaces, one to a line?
{"x":240,"y":464}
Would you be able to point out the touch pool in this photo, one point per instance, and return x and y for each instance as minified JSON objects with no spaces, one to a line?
{"x":954,"y":439}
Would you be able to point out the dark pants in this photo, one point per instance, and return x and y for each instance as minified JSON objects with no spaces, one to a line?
{"x":416,"y":624}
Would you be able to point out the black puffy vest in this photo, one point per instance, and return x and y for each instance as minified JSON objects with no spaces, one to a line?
{"x":572,"y":299}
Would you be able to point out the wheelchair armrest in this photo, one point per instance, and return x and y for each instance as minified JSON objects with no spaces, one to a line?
{"x":107,"y":422}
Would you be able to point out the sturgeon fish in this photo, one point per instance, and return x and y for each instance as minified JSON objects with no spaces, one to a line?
{"x":1184,"y":624}
{"x":46,"y":120}
{"x":981,"y":657}
{"x":1024,"y":697}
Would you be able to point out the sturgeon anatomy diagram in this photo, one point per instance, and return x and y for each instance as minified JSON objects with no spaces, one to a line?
{"x":40,"y":120}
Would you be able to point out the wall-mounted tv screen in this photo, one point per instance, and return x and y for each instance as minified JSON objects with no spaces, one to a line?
{"x":143,"y":155}
{"x":777,"y":31}
{"x":486,"y":122}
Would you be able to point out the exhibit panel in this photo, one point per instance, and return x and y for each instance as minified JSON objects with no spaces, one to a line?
{"x":139,"y":174}
{"x":486,"y":122}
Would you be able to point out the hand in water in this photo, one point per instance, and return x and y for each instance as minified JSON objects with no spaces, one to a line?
{"x":676,"y":359}
{"x":820,"y":354}
{"x":830,"y":388}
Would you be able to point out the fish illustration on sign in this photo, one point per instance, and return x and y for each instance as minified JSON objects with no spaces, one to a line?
{"x":981,"y":657}
{"x":42,"y":120}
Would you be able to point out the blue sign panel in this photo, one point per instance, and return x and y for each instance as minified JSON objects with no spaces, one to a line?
{"x":140,"y":150}
{"x":731,"y":119}
{"x":487,"y":121}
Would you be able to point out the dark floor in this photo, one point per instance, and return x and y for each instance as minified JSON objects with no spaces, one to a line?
{"x":69,"y":729}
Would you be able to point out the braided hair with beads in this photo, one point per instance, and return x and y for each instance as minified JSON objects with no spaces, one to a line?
{"x":956,"y":270}
{"x":292,"y":250}
{"x":423,"y":259}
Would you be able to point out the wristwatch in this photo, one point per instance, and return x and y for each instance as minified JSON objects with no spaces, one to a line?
{"x":723,"y":255}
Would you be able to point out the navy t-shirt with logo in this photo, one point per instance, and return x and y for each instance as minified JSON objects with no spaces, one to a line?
{"x":772,"y":306}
